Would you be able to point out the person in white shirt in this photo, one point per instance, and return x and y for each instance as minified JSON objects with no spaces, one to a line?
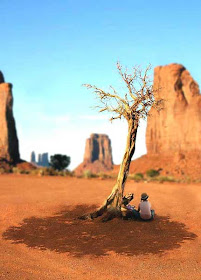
{"x":144,"y":208}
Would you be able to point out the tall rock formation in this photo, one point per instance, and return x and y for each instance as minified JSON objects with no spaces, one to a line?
{"x":1,"y":78}
{"x":173,"y":135}
{"x":98,"y":147}
{"x":176,"y":128}
{"x":98,"y":154}
{"x":33,"y":157}
{"x":39,"y":159}
{"x":9,"y":147}
{"x":42,"y":159}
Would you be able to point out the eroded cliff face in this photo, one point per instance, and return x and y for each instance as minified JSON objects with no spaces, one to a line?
{"x":9,"y":147}
{"x":98,"y":147}
{"x":176,"y":128}
{"x":173,"y":135}
{"x":98,"y":154}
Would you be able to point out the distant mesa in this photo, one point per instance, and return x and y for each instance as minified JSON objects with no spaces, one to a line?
{"x":97,"y":156}
{"x":9,"y":146}
{"x":173,"y":135}
{"x":42,"y":159}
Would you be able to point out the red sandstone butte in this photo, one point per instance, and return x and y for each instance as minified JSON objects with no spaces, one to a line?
{"x":97,"y":156}
{"x":9,"y":147}
{"x":173,"y":135}
{"x":176,"y":128}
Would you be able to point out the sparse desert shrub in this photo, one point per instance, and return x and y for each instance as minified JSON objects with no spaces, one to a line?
{"x":88,"y":174}
{"x":16,"y":170}
{"x":152,"y":173}
{"x":162,"y":179}
{"x":63,"y":173}
{"x":41,"y":172}
{"x":188,"y":180}
{"x":66,"y":173}
{"x":34,"y":172}
{"x":69,"y":173}
{"x":138,"y":177}
{"x":102,"y":175}
{"x":24,"y":171}
{"x":50,"y":172}
{"x":2,"y":171}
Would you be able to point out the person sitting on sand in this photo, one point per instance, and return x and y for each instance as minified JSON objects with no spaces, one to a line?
{"x":144,"y":208}
{"x":126,"y":208}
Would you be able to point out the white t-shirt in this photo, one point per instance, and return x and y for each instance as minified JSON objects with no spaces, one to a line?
{"x":145,"y":210}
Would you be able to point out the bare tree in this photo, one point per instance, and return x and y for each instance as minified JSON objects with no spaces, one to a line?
{"x":135,"y":105}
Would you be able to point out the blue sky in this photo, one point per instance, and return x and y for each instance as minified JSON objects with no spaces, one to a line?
{"x":50,"y":48}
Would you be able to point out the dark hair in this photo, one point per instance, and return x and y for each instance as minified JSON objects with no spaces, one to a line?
{"x":144,"y":196}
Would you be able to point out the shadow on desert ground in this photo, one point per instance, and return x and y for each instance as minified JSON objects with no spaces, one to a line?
{"x":63,"y":233}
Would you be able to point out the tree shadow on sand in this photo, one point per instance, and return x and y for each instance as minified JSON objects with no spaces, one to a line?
{"x":63,"y":233}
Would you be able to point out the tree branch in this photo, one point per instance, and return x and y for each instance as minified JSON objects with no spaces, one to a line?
{"x":139,"y":89}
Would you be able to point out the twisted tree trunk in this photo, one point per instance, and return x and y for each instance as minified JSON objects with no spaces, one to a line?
{"x":112,"y":204}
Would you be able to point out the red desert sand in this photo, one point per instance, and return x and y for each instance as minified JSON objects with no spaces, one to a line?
{"x":42,"y":239}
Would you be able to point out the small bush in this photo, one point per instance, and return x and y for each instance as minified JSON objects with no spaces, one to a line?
{"x":162,"y":179}
{"x":69,"y":173}
{"x":102,"y":175}
{"x":41,"y":172}
{"x":34,"y":172}
{"x":66,"y":173}
{"x":152,"y":173}
{"x":50,"y":171}
{"x":2,"y":171}
{"x":138,"y":177}
{"x":88,"y":174}
{"x":16,"y":170}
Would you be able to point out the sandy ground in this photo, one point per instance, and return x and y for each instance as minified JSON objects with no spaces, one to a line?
{"x":41,"y":239}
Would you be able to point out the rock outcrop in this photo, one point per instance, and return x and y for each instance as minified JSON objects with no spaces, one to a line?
{"x":176,"y":128}
{"x":9,"y":147}
{"x":1,"y":78}
{"x":173,"y":135}
{"x":42,"y":159}
{"x":97,"y":156}
{"x":33,"y":157}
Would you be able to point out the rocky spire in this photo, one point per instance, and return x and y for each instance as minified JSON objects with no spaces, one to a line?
{"x":33,"y":157}
{"x":176,"y":128}
{"x":98,"y":154}
{"x":9,"y":147}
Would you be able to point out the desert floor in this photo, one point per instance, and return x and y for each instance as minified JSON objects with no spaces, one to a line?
{"x":41,"y":239}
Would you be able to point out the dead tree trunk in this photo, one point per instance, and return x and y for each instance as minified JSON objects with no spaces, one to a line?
{"x":112,"y":204}
{"x":138,"y":99}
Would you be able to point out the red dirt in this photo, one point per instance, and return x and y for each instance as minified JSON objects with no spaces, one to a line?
{"x":41,"y":239}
